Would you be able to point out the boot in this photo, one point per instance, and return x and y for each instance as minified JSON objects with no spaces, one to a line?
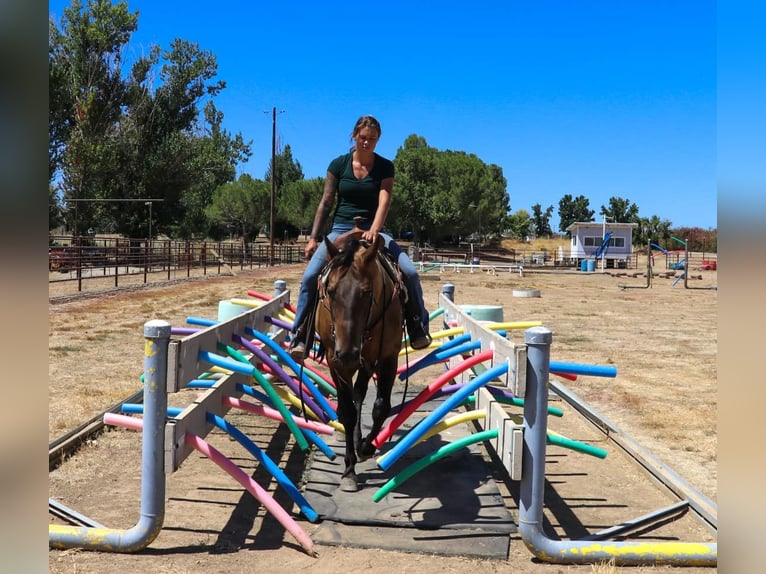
{"x":416,"y":329}
{"x":297,"y":348}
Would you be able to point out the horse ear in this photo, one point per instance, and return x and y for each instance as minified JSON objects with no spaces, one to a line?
{"x":331,"y":249}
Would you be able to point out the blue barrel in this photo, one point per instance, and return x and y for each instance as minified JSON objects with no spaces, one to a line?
{"x":584,"y":265}
{"x":591,"y":265}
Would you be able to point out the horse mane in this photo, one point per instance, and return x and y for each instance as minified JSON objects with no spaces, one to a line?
{"x":345,"y":258}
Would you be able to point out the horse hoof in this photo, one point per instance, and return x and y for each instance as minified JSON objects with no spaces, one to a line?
{"x":366,"y":451}
{"x":348,"y":484}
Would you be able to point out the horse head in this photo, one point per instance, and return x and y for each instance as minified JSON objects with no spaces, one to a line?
{"x":349,"y":287}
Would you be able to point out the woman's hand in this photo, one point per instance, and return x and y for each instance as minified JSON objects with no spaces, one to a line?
{"x":371,"y":236}
{"x":311,"y":246}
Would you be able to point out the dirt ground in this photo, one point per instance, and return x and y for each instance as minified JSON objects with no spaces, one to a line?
{"x":661,"y":339}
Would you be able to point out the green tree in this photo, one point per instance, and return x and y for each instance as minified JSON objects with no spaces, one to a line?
{"x":118,"y":136}
{"x":574,"y":210}
{"x":447,"y":194}
{"x":520,"y":224}
{"x":620,"y":210}
{"x":652,"y":229}
{"x":241,"y":207}
{"x":416,"y":186}
{"x":288,"y":170}
{"x":86,"y":92}
{"x":298,"y":203}
{"x":55,"y":212}
{"x":542,"y":220}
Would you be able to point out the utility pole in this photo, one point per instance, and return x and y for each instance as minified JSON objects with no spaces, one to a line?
{"x":273,"y":180}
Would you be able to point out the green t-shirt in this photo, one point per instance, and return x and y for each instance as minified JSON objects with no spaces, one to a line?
{"x":358,"y":197}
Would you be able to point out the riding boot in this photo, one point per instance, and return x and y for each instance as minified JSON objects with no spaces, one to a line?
{"x":297,"y":348}
{"x":417,"y":329}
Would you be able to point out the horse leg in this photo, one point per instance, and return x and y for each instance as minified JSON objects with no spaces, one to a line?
{"x":347,"y":414}
{"x":382,"y":406}
{"x":360,"y":392}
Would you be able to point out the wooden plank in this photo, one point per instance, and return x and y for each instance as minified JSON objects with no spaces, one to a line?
{"x":184,"y":364}
{"x":508,"y":444}
{"x":194,"y":419}
{"x":504,"y":350}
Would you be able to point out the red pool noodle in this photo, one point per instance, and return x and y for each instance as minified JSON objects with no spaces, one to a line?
{"x":424,"y":395}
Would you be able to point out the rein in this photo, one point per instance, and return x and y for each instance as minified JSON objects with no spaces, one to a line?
{"x":385,"y":301}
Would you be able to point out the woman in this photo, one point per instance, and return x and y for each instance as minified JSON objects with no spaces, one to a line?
{"x":358,"y":184}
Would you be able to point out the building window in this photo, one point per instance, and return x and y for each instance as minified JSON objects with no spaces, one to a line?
{"x":591,"y":241}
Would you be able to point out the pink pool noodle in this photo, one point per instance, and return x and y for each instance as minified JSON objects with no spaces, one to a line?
{"x":410,"y":407}
{"x":255,"y":489}
{"x":235,"y":472}
{"x":265,"y":297}
{"x":274,"y":414}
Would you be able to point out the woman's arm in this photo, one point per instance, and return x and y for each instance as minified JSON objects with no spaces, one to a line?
{"x":323,"y":211}
{"x":384,"y":202}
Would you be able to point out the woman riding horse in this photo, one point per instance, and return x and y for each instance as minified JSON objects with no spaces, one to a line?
{"x":362,"y":181}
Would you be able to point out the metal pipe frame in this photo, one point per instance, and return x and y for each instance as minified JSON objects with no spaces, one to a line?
{"x":152,"y":507}
{"x":538,"y":341}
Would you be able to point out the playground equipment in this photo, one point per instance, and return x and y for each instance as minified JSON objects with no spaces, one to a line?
{"x":680,"y":265}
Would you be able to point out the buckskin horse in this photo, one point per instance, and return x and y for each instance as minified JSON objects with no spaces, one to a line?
{"x":359,"y":320}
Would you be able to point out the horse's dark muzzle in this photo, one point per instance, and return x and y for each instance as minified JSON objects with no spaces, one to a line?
{"x":347,"y":358}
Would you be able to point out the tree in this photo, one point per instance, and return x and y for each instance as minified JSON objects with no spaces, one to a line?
{"x":520,"y":224}
{"x":241,"y":206}
{"x":446,"y":194}
{"x":118,"y":136}
{"x":55,"y":213}
{"x":86,"y":91}
{"x":288,"y":170}
{"x":415,"y":187}
{"x":620,"y":210}
{"x":573,"y":211}
{"x":542,"y":221}
{"x":652,"y":229}
{"x":298,"y":203}
{"x":697,"y":239}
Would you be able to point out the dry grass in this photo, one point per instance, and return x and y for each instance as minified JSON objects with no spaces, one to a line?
{"x":663,"y":341}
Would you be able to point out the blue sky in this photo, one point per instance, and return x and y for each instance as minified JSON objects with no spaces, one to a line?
{"x":583,"y":97}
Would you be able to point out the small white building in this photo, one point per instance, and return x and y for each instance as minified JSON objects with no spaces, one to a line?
{"x":593,"y":239}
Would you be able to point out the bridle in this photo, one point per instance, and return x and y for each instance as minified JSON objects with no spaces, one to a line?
{"x":327,"y":300}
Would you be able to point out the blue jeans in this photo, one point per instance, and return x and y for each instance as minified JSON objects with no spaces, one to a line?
{"x":308,"y":290}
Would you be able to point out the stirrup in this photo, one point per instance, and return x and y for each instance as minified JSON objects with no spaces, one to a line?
{"x":297,"y":350}
{"x":419,"y":337}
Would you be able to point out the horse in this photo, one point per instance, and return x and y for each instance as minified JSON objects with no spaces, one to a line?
{"x":359,"y":321}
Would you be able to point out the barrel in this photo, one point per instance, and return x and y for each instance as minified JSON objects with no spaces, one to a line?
{"x":227,"y":310}
{"x":492,"y":313}
{"x":591,"y":265}
{"x":584,"y":265}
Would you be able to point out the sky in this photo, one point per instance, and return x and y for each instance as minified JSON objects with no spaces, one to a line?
{"x":599,"y":98}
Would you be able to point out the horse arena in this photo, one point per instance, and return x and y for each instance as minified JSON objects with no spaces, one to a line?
{"x":659,"y":343}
